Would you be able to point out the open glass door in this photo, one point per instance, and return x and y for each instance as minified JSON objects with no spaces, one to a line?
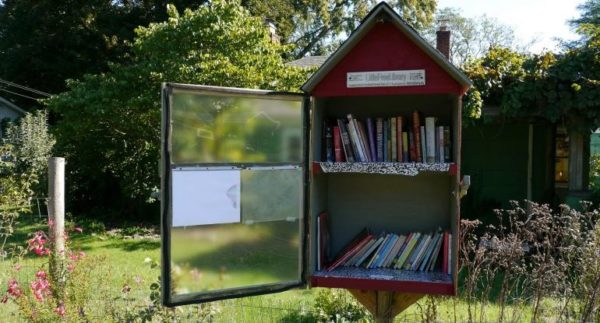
{"x":233,"y":192}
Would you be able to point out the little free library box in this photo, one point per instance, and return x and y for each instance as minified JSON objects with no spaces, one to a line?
{"x":354,"y":183}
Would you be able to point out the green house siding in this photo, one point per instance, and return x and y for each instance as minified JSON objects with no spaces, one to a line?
{"x":595,"y":143}
{"x":496,"y":157}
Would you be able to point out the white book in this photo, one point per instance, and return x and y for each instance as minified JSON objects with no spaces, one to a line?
{"x":423,"y":144}
{"x":355,"y":139}
{"x":430,"y":138}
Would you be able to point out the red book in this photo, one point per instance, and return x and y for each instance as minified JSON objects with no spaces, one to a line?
{"x":358,"y":242}
{"x":417,"y":135}
{"x":445,"y":267}
{"x":324,"y":237}
{"x":337,"y":144}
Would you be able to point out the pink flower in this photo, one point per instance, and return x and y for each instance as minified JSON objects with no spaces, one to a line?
{"x":13,"y":288}
{"x":41,"y":274}
{"x":81,"y":254}
{"x":36,"y":244}
{"x":40,"y":288}
{"x":78,"y":229}
{"x":60,"y":310}
{"x":17,"y":267}
{"x":71,"y":267}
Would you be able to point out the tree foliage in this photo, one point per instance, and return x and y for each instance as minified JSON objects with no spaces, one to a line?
{"x":44,"y":42}
{"x":320,"y":23}
{"x":24,"y":152}
{"x":109,"y":124}
{"x":472,"y":37}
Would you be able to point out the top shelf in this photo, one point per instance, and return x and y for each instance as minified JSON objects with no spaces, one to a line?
{"x":384,"y":168}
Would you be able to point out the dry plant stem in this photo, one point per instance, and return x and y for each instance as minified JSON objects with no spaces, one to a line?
{"x":590,"y":306}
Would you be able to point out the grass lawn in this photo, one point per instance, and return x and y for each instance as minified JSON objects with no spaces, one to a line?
{"x":120,"y":262}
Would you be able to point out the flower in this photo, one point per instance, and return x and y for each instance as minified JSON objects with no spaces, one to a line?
{"x":36,"y":244}
{"x":41,"y":274}
{"x":78,"y":229}
{"x":71,"y":267}
{"x":17,"y":267}
{"x":14,"y":289}
{"x":40,"y":288}
{"x":60,"y":309}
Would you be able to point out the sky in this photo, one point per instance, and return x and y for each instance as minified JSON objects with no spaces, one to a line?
{"x":543,"y":20}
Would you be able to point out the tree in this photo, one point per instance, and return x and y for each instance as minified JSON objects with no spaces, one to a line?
{"x":472,"y":37}
{"x":109,"y":123}
{"x":24,"y":152}
{"x":321,"y":23}
{"x":44,"y":42}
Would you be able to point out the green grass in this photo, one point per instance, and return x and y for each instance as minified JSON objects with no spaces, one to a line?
{"x":120,"y":262}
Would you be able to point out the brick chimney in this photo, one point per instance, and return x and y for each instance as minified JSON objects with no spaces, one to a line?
{"x":443,"y":40}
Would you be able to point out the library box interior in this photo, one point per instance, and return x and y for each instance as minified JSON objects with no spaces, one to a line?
{"x":392,"y":200}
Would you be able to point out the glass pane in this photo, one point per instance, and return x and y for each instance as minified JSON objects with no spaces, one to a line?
{"x":231,"y":128}
{"x":265,"y":248}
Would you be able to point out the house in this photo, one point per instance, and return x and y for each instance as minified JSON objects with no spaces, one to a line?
{"x":8,"y":112}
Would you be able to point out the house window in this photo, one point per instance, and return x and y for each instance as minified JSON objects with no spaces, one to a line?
{"x":561,"y":159}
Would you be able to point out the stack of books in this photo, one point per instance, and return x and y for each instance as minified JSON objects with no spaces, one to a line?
{"x":387,"y":140}
{"x":415,"y":251}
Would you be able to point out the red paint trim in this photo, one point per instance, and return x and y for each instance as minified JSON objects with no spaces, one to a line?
{"x":386,"y":48}
{"x":385,"y":285}
{"x":453,"y":170}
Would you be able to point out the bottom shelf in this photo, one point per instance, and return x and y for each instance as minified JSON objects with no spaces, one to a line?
{"x":385,"y":279}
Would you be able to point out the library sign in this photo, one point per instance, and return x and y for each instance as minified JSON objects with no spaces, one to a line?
{"x":385,"y":78}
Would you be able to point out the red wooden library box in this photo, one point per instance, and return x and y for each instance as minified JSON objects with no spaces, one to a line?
{"x":352,"y":184}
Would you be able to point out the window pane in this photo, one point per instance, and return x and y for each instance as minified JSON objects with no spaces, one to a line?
{"x":216,"y":128}
{"x":265,"y":248}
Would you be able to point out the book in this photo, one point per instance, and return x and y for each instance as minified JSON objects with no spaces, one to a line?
{"x":405,"y":154}
{"x":379,"y":129}
{"x":399,"y":253}
{"x":445,"y":246}
{"x":337,"y":145}
{"x":411,"y":146}
{"x":447,"y":147}
{"x":377,"y":253}
{"x":372,"y":141}
{"x":417,"y":135}
{"x":416,"y":252}
{"x":393,"y":251}
{"x":393,"y":140}
{"x":436,"y":252}
{"x":414,"y":239}
{"x":328,"y":143}
{"x":423,"y":143}
{"x":352,"y":261}
{"x":348,"y":153}
{"x":420,"y":252}
{"x":428,"y":253}
{"x":384,"y":252}
{"x":357,"y":242}
{"x":430,"y":138}
{"x":364,"y":139}
{"x":355,"y":140}
{"x":399,"y":139}
{"x":440,"y":145}
{"x":385,"y":140}
{"x":369,"y":251}
{"x":449,"y":252}
{"x":323,"y":239}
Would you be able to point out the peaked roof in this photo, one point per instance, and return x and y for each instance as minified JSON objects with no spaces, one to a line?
{"x":384,"y":12}
{"x":10,"y":105}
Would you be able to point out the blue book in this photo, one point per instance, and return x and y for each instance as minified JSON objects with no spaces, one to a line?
{"x":372,"y":142}
{"x":386,"y":249}
{"x":428,"y":253}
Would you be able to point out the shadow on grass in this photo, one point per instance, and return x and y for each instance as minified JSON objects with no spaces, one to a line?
{"x":134,"y":245}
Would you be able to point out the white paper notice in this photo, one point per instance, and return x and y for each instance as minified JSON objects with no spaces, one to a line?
{"x":206,"y":197}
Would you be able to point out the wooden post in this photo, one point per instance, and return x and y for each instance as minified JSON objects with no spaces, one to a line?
{"x":56,"y":203}
{"x":383,"y":305}
{"x":56,"y":219}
